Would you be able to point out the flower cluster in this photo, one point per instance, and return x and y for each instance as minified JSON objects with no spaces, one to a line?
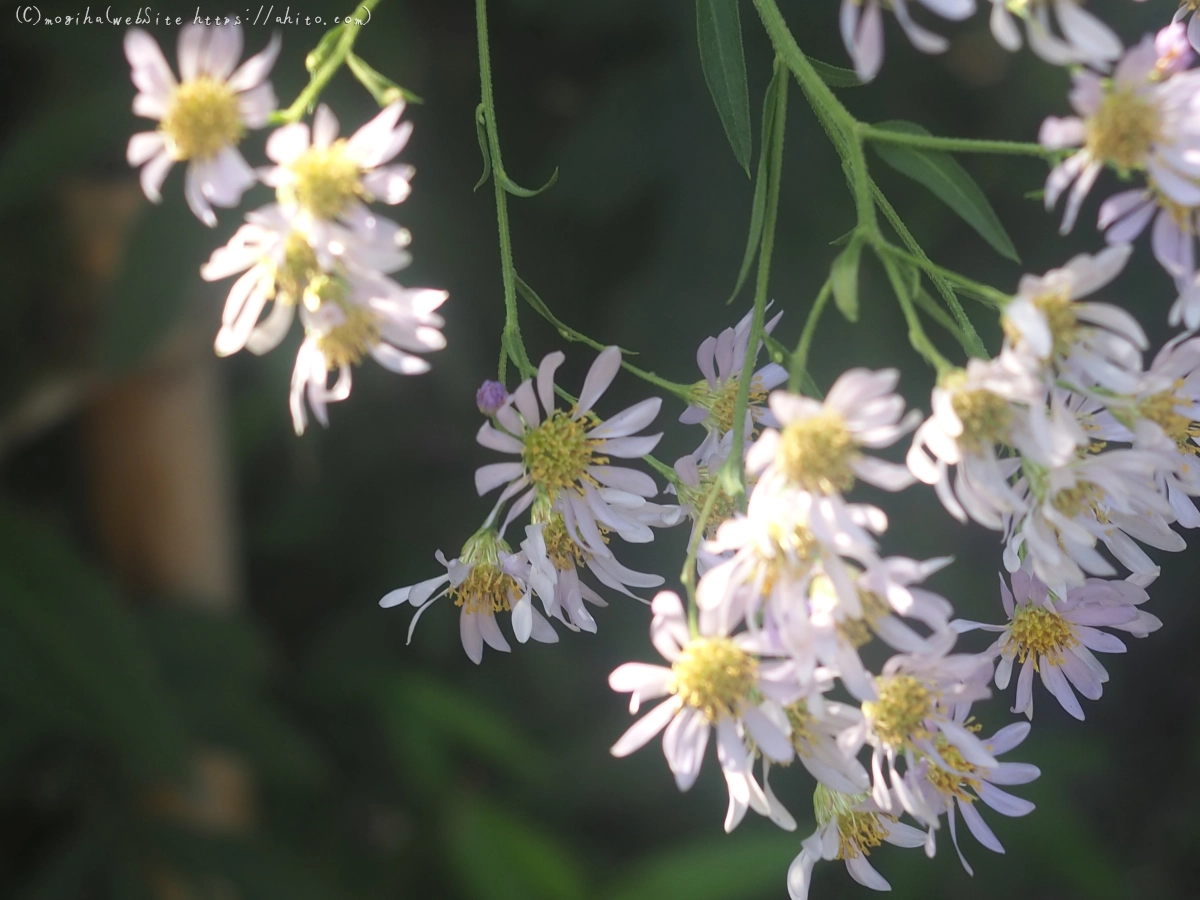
{"x":319,"y":251}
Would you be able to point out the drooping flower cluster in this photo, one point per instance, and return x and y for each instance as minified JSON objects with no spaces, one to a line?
{"x":319,"y":251}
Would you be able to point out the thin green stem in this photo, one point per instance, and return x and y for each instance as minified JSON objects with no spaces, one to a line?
{"x":954,"y":145}
{"x":687,"y":577}
{"x":733,"y":473}
{"x":977,"y":289}
{"x":324,"y":72}
{"x":916,"y":331}
{"x":799,"y":361}
{"x":512,"y":347}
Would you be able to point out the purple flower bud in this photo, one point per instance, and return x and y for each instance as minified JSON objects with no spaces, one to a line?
{"x":1174,"y":51}
{"x":490,"y":397}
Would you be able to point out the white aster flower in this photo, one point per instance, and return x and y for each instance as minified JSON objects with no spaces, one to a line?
{"x":715,"y":682}
{"x":952,"y":782}
{"x":1111,"y":497}
{"x":485,"y":580}
{"x":1136,"y":121}
{"x":1085,"y":39}
{"x":350,"y":315}
{"x":815,"y":725}
{"x":1055,"y":636}
{"x":862,"y":29}
{"x":1170,"y":398}
{"x":720,"y":359}
{"x":1093,"y":345}
{"x":973,"y":416}
{"x":203,"y":117}
{"x":913,"y":701}
{"x":323,"y":180}
{"x":1187,"y":10}
{"x":556,"y":560}
{"x":849,"y":827}
{"x":819,"y":447}
{"x":278,"y":265}
{"x":565,"y":454}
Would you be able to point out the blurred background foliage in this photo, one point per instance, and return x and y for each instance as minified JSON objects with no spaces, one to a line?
{"x":199,"y":697}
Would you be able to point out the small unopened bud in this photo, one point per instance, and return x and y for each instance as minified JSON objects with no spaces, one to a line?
{"x":1173,"y":49}
{"x":490,"y":397}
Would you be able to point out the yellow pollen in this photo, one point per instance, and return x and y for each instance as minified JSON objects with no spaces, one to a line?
{"x":724,"y":507}
{"x":1072,"y":501}
{"x":952,"y":783}
{"x":816,"y":453}
{"x":326,"y":180}
{"x":801,"y":721}
{"x":1161,"y":409}
{"x":715,"y":676}
{"x":201,"y":118}
{"x":985,"y":417}
{"x":347,"y":343}
{"x":558,"y":452}
{"x":1036,"y":632}
{"x":488,"y":590}
{"x":858,"y":632}
{"x":299,"y":267}
{"x":898,"y":716}
{"x":562,"y":550}
{"x":858,"y":834}
{"x":1124,"y":129}
{"x":722,"y":403}
{"x":789,"y":556}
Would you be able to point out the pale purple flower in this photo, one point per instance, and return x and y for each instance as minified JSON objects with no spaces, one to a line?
{"x":202,"y":117}
{"x":484,"y":581}
{"x":1187,"y":10}
{"x":714,"y":683}
{"x":1133,"y":122}
{"x":490,"y":397}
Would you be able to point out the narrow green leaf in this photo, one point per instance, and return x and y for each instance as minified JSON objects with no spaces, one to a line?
{"x":844,"y":279}
{"x":516,"y":190}
{"x":719,"y":33}
{"x":949,"y":182}
{"x":383,"y":89}
{"x":481,"y":133}
{"x":758,"y":206}
{"x":835,"y":76}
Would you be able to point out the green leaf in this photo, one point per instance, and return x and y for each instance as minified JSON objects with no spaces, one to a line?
{"x":481,"y":133}
{"x":383,"y":89}
{"x":836,"y":76}
{"x":758,"y":207}
{"x":844,"y":279}
{"x":515,"y":189}
{"x":949,"y":182}
{"x":498,"y":856}
{"x":743,"y":866}
{"x":719,"y":33}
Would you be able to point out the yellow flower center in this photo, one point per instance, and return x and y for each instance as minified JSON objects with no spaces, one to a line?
{"x":816,"y":453}
{"x":985,"y":417}
{"x":858,"y":632}
{"x":952,"y":783}
{"x":558,"y":452}
{"x":858,"y":832}
{"x":898,"y":716}
{"x":347,"y":343}
{"x":325,"y":181}
{"x":802,"y":722}
{"x":1036,"y":632}
{"x":1160,"y":409}
{"x":715,"y":676}
{"x":722,"y":403}
{"x":1072,"y":501}
{"x":789,"y":556}
{"x":201,"y":118}
{"x":488,"y":589}
{"x":1124,"y":129}
{"x":1060,"y":318}
{"x":724,"y":507}
{"x":562,"y":550}
{"x":298,"y":269}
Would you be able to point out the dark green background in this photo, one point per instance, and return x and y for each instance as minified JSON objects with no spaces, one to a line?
{"x":383,"y":770}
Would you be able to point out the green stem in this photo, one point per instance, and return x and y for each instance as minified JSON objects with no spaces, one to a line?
{"x":799,"y":361}
{"x":688,"y":576}
{"x":954,"y":145}
{"x":733,"y":473}
{"x":324,"y":72}
{"x":916,"y":331}
{"x":512,"y":347}
{"x":977,"y":289}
